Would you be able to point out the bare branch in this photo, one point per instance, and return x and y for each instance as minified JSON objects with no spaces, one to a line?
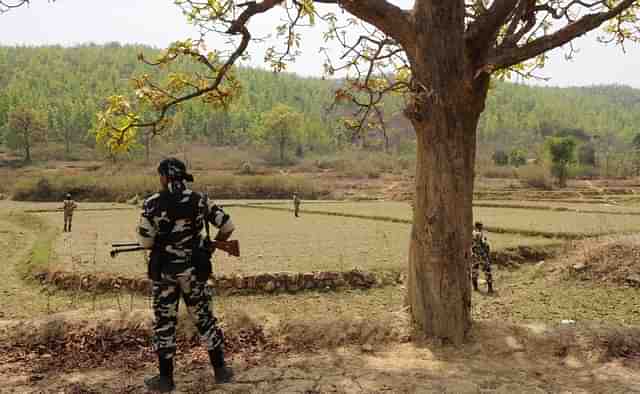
{"x":482,"y":32}
{"x":507,"y":57}
{"x":390,"y":19}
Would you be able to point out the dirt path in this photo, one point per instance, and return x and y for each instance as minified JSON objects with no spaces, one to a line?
{"x":404,"y":368}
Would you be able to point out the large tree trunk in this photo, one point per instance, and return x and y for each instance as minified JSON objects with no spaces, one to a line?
{"x":439,"y":254}
{"x":445,"y":113}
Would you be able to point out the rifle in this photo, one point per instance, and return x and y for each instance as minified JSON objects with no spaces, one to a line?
{"x":231,"y":247}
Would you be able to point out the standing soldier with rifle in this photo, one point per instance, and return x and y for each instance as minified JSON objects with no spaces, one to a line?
{"x":171,"y":225}
{"x":480,"y":255}
{"x":296,"y":204}
{"x":68,"y":207}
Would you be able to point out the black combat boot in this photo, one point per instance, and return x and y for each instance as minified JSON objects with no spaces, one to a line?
{"x":475,"y":284}
{"x":163,"y":382}
{"x":223,"y":374}
{"x":490,"y":287}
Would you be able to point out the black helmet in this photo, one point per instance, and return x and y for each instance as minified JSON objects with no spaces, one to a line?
{"x":478,"y":224}
{"x":174,"y":169}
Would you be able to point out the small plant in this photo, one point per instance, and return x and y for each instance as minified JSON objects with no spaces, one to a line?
{"x":518,"y":157}
{"x":535,"y":176}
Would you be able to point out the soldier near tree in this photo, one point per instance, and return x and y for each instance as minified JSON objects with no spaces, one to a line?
{"x":480,"y":250}
{"x":296,"y":204}
{"x":171,"y":226}
{"x":68,"y":206}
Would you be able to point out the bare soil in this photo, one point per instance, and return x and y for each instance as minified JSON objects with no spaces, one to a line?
{"x":498,"y":359}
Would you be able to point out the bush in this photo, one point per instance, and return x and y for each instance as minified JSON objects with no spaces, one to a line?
{"x":517,"y":157}
{"x":259,"y":186}
{"x":583,"y":171}
{"x":535,"y":176}
{"x":499,"y":172}
{"x":500,"y":158}
{"x":84,"y":187}
{"x":121,"y":188}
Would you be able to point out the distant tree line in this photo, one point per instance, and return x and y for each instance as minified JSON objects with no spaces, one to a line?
{"x":58,"y":91}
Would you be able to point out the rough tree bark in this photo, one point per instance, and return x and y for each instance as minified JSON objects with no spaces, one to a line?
{"x":445,"y":119}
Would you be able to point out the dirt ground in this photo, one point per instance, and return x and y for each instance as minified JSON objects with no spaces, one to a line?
{"x":503,"y":363}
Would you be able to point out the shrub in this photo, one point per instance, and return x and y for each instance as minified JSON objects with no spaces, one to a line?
{"x":583,"y":171}
{"x":562,"y":152}
{"x":535,"y":176}
{"x":499,"y":172}
{"x":517,"y":157}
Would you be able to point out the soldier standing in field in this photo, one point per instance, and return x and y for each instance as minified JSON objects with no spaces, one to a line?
{"x":296,"y":204}
{"x":480,"y":250}
{"x":171,"y":226}
{"x":68,"y":207}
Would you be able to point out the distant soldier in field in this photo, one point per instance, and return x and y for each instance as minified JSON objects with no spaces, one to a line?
{"x":480,"y":250}
{"x":296,"y":204}
{"x":68,"y":207}
{"x":171,"y":226}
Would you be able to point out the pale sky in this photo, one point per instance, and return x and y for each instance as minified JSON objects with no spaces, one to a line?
{"x":159,"y":22}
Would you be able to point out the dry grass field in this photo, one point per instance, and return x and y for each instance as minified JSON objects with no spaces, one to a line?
{"x":271,"y":241}
{"x":518,"y":219}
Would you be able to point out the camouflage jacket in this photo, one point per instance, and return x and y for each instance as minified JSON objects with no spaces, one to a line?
{"x":69,"y":206}
{"x":167,"y":224}
{"x":480,"y":245}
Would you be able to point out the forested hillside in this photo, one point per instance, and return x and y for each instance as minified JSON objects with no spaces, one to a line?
{"x":67,"y":86}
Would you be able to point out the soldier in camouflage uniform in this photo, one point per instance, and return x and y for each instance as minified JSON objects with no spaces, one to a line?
{"x":68,"y":207}
{"x":296,"y":204}
{"x":480,"y":256}
{"x":171,"y":226}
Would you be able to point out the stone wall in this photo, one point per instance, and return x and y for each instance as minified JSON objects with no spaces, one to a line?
{"x":264,"y":283}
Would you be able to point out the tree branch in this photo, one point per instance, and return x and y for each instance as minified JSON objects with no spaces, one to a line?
{"x":506,"y":57}
{"x":388,"y":18}
{"x":482,"y":32}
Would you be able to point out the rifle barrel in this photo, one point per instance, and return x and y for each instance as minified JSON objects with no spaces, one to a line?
{"x":124,"y":244}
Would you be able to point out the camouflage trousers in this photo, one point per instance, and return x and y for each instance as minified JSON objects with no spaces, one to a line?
{"x":166,"y":298}
{"x":67,"y":222}
{"x":478,"y":260}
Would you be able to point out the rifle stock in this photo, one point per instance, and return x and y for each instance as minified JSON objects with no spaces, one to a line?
{"x":232,"y":247}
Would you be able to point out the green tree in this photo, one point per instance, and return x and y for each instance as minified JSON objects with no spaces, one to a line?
{"x":562,"y":151}
{"x":26,"y":127}
{"x":281,"y":128}
{"x":518,"y":157}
